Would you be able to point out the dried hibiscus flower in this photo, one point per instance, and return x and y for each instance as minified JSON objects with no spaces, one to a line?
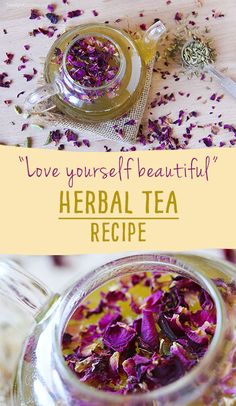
{"x":146,"y":332}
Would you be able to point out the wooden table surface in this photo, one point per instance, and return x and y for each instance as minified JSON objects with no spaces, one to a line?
{"x":189,"y":95}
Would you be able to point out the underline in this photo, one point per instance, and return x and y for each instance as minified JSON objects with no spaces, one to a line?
{"x":118,"y":218}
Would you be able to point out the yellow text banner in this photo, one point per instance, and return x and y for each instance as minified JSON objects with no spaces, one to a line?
{"x":71,"y":203}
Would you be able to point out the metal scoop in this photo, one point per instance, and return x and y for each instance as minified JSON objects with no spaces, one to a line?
{"x":197,"y":64}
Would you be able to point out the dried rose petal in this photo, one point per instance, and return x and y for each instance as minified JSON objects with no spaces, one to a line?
{"x":71,"y":136}
{"x":78,"y":144}
{"x":129,"y":367}
{"x":178,"y":350}
{"x":114,"y":296}
{"x":28,"y":77}
{"x":168,"y":371}
{"x":3,"y":81}
{"x":9,"y":59}
{"x":108,"y":319}
{"x":149,"y":333}
{"x":51,"y":8}
{"x":114,"y":362}
{"x":53,"y":18}
{"x":86,"y":143}
{"x":118,"y":336}
{"x":49,"y":32}
{"x":143,"y":27}
{"x":67,"y":339}
{"x":8,"y":102}
{"x":178,"y":16}
{"x":35,"y":14}
{"x":79,"y":312}
{"x":24,"y":59}
{"x":207,"y":141}
{"x":154,"y":301}
{"x":55,"y":136}
{"x":75,"y":13}
{"x":201,"y":316}
{"x":21,"y":67}
{"x":136,"y":308}
{"x":131,"y":122}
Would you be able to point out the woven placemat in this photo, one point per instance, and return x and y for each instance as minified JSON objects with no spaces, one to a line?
{"x":110,"y":130}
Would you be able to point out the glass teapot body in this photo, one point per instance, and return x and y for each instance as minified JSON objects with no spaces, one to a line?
{"x":96,"y":72}
{"x":43,"y":378}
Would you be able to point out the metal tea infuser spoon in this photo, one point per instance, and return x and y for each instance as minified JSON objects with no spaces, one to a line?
{"x":200,"y":60}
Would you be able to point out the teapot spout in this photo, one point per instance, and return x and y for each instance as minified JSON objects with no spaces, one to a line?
{"x":151,"y":38}
{"x":154,"y":32}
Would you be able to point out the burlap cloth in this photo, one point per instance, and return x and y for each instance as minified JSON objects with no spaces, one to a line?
{"x":108,"y":129}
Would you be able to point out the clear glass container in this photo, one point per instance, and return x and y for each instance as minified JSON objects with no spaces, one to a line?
{"x":43,"y":378}
{"x":93,"y":100}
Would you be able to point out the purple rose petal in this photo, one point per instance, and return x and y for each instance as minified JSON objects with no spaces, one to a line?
{"x":35,"y":14}
{"x":149,"y":333}
{"x":75,"y":13}
{"x":3,"y":81}
{"x":108,"y":319}
{"x":154,"y":301}
{"x":118,"y":336}
{"x":53,"y":18}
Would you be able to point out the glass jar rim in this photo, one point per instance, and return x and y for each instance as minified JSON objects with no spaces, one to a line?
{"x":93,"y":88}
{"x":175,"y":387}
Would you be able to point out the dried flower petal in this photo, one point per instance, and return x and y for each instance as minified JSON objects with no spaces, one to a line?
{"x":154,"y":301}
{"x":149,"y":333}
{"x":118,"y":336}
{"x":114,"y":362}
{"x":54,"y":18}
{"x":9,"y":59}
{"x":35,"y":14}
{"x":75,"y":13}
{"x":108,"y":319}
{"x":71,"y":136}
{"x":3,"y":81}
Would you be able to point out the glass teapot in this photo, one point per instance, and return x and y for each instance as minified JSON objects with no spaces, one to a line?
{"x":43,"y":378}
{"x":95,"y":72}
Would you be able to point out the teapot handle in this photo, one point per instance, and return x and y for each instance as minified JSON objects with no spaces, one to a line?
{"x":22,"y":289}
{"x":40,"y":95}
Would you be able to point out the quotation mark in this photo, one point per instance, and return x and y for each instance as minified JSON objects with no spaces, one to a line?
{"x":21,"y":159}
{"x":215,"y":158}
